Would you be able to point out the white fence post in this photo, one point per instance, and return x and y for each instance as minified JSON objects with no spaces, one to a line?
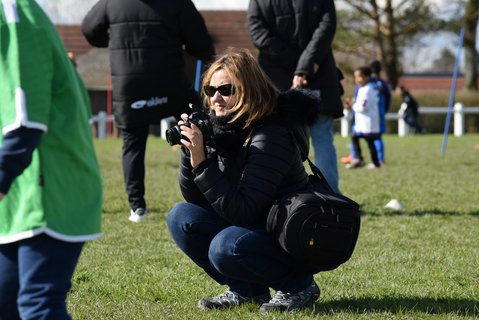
{"x":403,"y":127}
{"x":102,"y":120}
{"x":459,"y":119}
{"x":166,"y":124}
{"x":346,"y":123}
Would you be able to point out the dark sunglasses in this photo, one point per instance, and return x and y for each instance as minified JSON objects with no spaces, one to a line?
{"x":225,"y":90}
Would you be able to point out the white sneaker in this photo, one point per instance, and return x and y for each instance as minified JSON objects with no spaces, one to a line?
{"x":355,"y":163}
{"x":371,"y":166}
{"x":137,"y":215}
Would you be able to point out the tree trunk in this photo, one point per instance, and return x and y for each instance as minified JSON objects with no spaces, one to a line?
{"x":471,"y":57}
{"x":392,"y":51}
{"x":378,"y":37}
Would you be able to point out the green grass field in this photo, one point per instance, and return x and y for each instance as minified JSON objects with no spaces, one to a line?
{"x":421,"y":263}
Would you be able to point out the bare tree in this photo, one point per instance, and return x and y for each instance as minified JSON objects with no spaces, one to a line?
{"x":470,"y":31}
{"x":389,"y":26}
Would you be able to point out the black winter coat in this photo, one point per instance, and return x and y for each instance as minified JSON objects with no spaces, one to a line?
{"x":242,"y":189}
{"x":411,"y":104}
{"x":146,"y":40}
{"x":292,"y":36}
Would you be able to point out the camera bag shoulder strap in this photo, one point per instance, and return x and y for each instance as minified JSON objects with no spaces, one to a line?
{"x":314,"y":169}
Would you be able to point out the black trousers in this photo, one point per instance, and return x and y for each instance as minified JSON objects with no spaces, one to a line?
{"x":372,"y":147}
{"x":411,"y":120}
{"x":133,"y":161}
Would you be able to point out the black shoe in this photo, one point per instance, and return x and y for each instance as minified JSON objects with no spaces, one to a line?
{"x":283,"y":301}
{"x":230,"y":299}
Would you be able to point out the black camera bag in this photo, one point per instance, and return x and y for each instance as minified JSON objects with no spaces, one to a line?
{"x":316,"y":226}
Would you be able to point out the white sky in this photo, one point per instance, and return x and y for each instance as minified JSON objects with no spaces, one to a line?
{"x":60,"y":11}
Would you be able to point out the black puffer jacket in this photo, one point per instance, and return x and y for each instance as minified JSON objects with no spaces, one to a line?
{"x":292,"y":36}
{"x":242,"y":189}
{"x":146,"y":40}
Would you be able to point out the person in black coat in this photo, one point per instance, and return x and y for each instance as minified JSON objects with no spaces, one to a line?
{"x":147,"y":40}
{"x":411,"y":114}
{"x":294,"y":39}
{"x":231,"y":182}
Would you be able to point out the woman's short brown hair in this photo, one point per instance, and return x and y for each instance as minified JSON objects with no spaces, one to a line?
{"x":256,"y":93}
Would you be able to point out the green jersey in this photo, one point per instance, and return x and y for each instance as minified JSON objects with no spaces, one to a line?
{"x":60,"y":192}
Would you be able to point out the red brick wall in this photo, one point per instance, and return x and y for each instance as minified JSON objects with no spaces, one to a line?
{"x":228,"y":28}
{"x":73,"y":39}
{"x":430,"y":82}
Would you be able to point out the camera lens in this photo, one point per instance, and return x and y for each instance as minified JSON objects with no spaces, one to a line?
{"x":173,"y":135}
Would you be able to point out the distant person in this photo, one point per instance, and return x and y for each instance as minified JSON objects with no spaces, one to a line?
{"x":147,"y":40}
{"x":411,"y":113}
{"x":50,"y":185}
{"x":229,"y":189}
{"x":295,"y":51}
{"x":384,"y":105}
{"x":366,"y":118}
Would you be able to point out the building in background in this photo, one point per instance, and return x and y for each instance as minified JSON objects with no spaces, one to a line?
{"x":226,"y":22}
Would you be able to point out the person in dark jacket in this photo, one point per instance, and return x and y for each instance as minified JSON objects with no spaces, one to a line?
{"x":294,"y":38}
{"x":230,"y":188}
{"x":147,"y":40}
{"x":384,"y":105}
{"x":411,"y":113}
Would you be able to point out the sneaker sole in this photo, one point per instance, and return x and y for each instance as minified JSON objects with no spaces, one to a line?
{"x":136,"y":218}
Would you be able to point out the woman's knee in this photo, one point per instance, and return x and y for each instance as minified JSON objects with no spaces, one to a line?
{"x":188,"y":218}
{"x":229,"y":244}
{"x":179,"y":215}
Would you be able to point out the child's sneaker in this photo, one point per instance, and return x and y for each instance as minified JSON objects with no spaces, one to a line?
{"x":346,"y":159}
{"x":371,"y":166}
{"x":283,"y":301}
{"x":355,"y":163}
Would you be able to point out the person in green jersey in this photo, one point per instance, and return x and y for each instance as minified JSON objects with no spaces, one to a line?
{"x":50,"y":185}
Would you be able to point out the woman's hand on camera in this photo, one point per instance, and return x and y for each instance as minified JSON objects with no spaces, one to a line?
{"x":195,"y":142}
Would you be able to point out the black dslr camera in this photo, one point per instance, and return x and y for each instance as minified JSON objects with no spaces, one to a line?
{"x":197,"y":117}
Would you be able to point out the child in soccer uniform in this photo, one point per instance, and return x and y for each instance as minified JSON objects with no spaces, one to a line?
{"x":50,"y":185}
{"x":366,"y":117}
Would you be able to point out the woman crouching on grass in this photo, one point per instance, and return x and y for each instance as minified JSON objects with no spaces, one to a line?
{"x":230,"y":189}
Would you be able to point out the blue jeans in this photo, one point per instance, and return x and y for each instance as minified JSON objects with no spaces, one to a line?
{"x":246,"y":259}
{"x":35,"y":278}
{"x":322,"y":137}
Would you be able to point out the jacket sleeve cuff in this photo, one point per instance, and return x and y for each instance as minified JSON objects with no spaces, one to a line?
{"x":199,"y":169}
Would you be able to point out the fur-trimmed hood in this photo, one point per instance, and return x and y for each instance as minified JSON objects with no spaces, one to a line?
{"x":298,"y":109}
